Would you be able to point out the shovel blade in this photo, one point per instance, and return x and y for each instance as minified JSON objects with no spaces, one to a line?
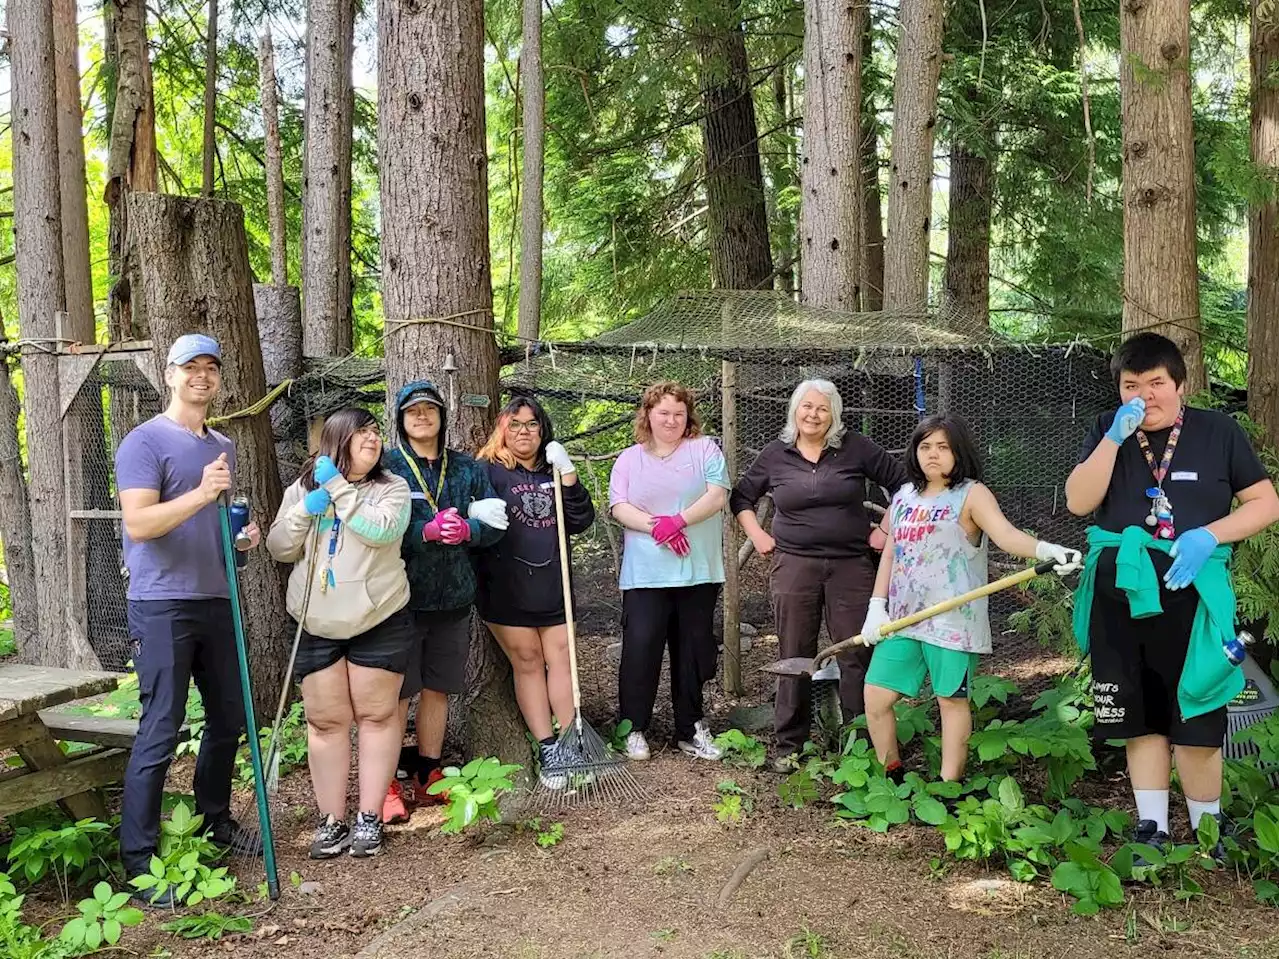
{"x":795,"y":666}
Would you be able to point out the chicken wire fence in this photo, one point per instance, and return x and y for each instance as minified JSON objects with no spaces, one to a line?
{"x":117,"y":393}
{"x":744,"y":353}
{"x":1029,"y":406}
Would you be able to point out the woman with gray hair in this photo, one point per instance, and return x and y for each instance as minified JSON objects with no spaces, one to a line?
{"x":819,"y":550}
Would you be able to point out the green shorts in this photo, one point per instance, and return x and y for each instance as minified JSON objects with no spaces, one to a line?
{"x":901,"y":663}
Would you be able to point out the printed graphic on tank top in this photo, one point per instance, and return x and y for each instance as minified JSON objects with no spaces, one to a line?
{"x":933,"y":561}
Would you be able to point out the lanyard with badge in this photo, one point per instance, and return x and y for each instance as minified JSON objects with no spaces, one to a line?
{"x":434,"y":501}
{"x":1161,"y":515}
{"x":327,"y":581}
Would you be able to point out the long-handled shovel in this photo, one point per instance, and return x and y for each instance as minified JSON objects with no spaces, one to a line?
{"x":803,"y":666}
{"x":251,"y":724}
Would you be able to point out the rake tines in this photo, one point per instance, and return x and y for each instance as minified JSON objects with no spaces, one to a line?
{"x":592,"y":772}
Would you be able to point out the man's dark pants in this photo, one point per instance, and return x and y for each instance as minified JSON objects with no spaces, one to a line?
{"x":174,"y":641}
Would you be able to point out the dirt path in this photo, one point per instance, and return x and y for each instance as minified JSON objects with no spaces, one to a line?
{"x":644,"y":880}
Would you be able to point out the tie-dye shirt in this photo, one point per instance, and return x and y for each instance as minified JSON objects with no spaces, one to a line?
{"x":933,"y":561}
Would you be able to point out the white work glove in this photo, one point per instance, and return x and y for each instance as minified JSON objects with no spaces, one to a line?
{"x":1066,"y":560}
{"x":492,"y":512}
{"x":877,"y":619}
{"x":557,"y":456}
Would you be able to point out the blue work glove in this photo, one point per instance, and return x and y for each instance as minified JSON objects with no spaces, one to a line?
{"x":1190,"y":550}
{"x":317,"y":501}
{"x":1128,"y":419}
{"x":325,"y":470}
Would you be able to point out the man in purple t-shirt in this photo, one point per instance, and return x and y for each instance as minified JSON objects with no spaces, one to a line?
{"x":170,"y":472}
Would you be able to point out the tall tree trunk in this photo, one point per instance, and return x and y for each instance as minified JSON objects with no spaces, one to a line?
{"x":873,"y":222}
{"x":273,"y":162}
{"x":1161,"y":284}
{"x":92,"y":550}
{"x":1264,"y":310}
{"x":15,"y":517}
{"x":831,"y":168}
{"x":435,"y":262}
{"x":41,"y":294}
{"x":210,"y":98}
{"x":326,"y":214}
{"x":784,"y":177}
{"x":966,"y":282}
{"x":737,"y":224}
{"x":915,"y":104}
{"x":193,"y":271}
{"x":78,"y":275}
{"x":131,"y":157}
{"x":533,"y":143}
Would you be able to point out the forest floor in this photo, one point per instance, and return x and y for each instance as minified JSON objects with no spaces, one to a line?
{"x":644,"y":879}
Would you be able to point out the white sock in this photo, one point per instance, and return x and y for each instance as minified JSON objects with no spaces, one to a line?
{"x":1154,"y":804}
{"x":1196,"y":809}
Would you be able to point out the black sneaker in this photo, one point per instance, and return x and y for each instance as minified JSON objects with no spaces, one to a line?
{"x":155,"y":900}
{"x":366,"y":836}
{"x":550,"y":767}
{"x":1147,"y":834}
{"x":240,"y":840}
{"x":331,"y":837}
{"x":1218,"y":853}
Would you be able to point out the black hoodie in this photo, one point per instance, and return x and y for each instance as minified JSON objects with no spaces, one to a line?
{"x":521,"y":572}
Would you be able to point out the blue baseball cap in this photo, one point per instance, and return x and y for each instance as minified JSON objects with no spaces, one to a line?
{"x":190,"y":345}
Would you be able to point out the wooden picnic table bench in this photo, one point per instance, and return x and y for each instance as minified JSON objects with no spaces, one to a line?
{"x":32,"y":730}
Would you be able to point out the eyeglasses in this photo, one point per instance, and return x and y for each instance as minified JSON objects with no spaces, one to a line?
{"x":518,"y":426}
{"x":366,"y":431}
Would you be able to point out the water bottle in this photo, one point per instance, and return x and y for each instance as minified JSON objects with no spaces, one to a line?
{"x":1234,"y":648}
{"x":238,"y":515}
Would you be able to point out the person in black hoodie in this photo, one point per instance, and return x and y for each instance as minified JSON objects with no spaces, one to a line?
{"x":519,"y":592}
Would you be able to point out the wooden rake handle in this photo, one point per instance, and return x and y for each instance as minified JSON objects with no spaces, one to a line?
{"x":567,"y":590}
{"x":898,"y":625}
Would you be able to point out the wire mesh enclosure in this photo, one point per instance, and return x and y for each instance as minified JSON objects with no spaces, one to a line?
{"x":104,"y":397}
{"x":1029,"y":406}
{"x":742,"y":353}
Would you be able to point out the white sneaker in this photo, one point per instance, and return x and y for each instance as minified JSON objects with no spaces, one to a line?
{"x":703,"y":745}
{"x":637,"y":746}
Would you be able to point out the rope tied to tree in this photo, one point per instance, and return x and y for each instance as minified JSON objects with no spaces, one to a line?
{"x":253,"y":409}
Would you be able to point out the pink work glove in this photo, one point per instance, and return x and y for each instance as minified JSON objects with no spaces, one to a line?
{"x":679,"y":544}
{"x":433,"y":532}
{"x":667,"y":528}
{"x":454,"y":530}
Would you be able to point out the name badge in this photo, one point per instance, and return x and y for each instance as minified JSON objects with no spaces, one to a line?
{"x":417,"y":494}
{"x":1184,"y":476}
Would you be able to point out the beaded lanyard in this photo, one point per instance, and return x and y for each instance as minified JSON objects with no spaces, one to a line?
{"x":1161,"y":515}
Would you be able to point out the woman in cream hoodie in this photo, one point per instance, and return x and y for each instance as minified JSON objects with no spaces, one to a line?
{"x":341,"y":525}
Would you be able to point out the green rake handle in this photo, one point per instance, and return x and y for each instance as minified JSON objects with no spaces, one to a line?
{"x":251,"y":724}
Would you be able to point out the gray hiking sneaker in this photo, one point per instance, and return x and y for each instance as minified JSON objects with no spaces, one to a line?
{"x":366,"y":836}
{"x":331,"y":837}
{"x":703,"y":745}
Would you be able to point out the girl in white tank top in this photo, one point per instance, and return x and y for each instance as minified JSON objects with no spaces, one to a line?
{"x":940,"y":523}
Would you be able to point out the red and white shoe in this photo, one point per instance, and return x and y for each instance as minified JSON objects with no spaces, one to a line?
{"x":394,"y":807}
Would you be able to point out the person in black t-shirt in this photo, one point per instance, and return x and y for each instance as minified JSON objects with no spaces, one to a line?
{"x":1173,"y":472}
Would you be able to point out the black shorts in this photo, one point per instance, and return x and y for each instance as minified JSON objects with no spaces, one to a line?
{"x":1137,"y":664}
{"x":438,"y":653}
{"x":385,"y":646}
{"x":501,"y":615}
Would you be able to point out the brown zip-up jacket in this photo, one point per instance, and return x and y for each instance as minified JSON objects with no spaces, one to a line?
{"x":818,"y":506}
